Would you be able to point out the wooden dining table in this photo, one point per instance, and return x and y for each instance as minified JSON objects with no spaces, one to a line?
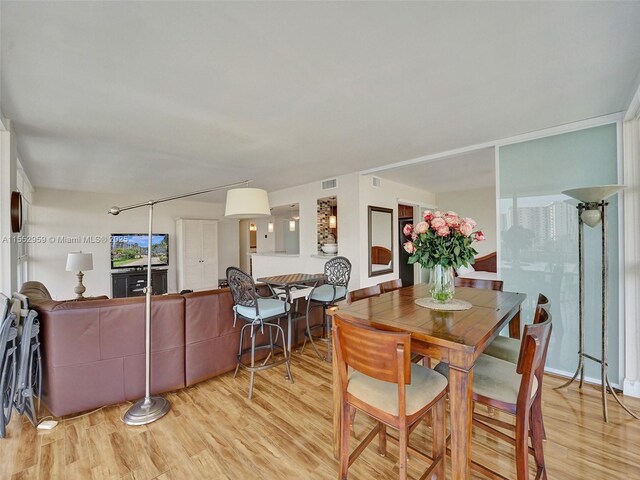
{"x":455,"y":337}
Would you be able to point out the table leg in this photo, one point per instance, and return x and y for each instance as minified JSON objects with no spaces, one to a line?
{"x":461,"y":409}
{"x":514,"y":326}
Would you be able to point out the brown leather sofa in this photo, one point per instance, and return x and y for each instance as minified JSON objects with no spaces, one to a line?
{"x":93,"y":350}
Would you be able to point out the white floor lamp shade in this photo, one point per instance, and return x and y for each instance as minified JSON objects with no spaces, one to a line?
{"x":247,"y":203}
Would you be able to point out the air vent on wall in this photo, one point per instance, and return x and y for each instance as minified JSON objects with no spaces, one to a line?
{"x":328,"y":184}
{"x":376,"y":181}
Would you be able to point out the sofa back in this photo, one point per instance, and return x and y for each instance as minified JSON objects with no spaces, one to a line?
{"x":93,"y":350}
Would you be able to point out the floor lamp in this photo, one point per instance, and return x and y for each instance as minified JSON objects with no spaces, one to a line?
{"x":241,"y":203}
{"x":592,"y":210}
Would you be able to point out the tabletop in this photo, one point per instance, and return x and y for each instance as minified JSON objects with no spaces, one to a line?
{"x":292,"y":278}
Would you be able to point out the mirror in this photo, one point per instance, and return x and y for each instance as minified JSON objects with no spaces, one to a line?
{"x":285,"y":225}
{"x":380,"y":241}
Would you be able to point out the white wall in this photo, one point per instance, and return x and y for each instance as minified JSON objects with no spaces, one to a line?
{"x":387,"y":196}
{"x":59,"y":217}
{"x":479,"y":204}
{"x":8,"y":175}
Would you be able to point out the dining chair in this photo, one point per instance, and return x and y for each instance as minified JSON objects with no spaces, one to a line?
{"x":362,"y":293}
{"x":337,"y":273}
{"x":514,"y":389}
{"x":508,"y":349}
{"x":479,"y":283}
{"x":258,"y":312}
{"x":391,"y":285}
{"x":378,"y":379}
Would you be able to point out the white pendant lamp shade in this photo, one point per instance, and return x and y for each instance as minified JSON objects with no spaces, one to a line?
{"x":247,"y":203}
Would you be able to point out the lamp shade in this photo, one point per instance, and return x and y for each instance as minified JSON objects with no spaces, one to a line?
{"x":593,"y":194}
{"x":79,"y":262}
{"x":247,"y":203}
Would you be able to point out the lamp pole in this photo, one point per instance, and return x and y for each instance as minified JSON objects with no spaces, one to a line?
{"x":149,"y":409}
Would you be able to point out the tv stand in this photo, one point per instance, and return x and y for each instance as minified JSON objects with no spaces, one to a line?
{"x":131,"y":283}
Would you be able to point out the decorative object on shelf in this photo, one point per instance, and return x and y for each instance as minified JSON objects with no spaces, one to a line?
{"x":333,"y":221}
{"x":79,"y":262}
{"x":330,"y":248}
{"x":16,"y":212}
{"x":442,"y":242}
{"x":241,"y":203}
{"x":592,"y":210}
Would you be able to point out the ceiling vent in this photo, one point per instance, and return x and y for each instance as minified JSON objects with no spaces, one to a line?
{"x":329,"y":184}
{"x":376,"y":181}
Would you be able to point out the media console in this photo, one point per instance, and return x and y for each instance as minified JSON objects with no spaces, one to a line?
{"x":131,"y":283}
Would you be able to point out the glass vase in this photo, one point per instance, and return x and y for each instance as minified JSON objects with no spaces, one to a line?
{"x":442,"y":284}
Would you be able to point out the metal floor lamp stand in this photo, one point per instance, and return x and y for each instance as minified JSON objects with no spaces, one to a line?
{"x":149,"y":409}
{"x":603,"y":361}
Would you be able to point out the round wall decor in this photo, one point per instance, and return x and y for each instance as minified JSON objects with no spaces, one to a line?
{"x":16,"y":212}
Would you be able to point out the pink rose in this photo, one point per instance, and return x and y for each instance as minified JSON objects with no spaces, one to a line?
{"x":470,"y":221}
{"x":479,"y":236}
{"x":466,"y":229}
{"x":408,"y":228}
{"x":409,"y":247}
{"x":438,"y":214}
{"x":427,"y":215}
{"x":443,"y":231}
{"x":452,"y":220}
{"x":422,"y":227}
{"x":414,"y":235}
{"x":438,"y":222}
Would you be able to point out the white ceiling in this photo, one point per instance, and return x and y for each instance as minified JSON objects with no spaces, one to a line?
{"x":167,"y":97}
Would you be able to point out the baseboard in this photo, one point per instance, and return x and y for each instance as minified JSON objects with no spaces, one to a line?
{"x":631,"y":388}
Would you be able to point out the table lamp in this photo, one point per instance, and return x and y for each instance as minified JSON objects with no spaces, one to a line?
{"x":79,"y":262}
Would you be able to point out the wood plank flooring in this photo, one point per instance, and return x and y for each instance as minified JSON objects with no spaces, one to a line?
{"x":214,"y":432}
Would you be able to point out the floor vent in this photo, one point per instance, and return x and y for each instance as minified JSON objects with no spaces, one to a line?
{"x":329,"y":184}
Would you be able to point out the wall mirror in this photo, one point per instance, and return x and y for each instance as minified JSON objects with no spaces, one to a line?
{"x":285,"y":224}
{"x":380,"y":241}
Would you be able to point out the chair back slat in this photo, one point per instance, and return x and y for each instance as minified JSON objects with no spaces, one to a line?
{"x":479,"y":283}
{"x":242,"y":286}
{"x":391,"y":285}
{"x":362,"y":293}
{"x":543,"y":302}
{"x":533,"y":352}
{"x":371,"y":351}
{"x":338,"y":271}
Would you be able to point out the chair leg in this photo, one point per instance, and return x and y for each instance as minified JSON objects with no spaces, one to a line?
{"x":522,"y":445}
{"x":439,"y":438}
{"x":253,"y":362}
{"x":402,"y":440}
{"x":382,"y":439}
{"x":537,"y":435}
{"x":344,"y":440}
{"x":308,"y":334}
{"x":352,"y":417}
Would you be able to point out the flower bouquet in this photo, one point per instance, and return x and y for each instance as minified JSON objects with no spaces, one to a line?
{"x":442,"y":242}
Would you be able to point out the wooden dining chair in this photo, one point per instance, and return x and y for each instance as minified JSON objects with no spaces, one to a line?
{"x":378,"y":379}
{"x":391,"y":285}
{"x":479,"y":283}
{"x":361,"y":293}
{"x":514,"y":389}
{"x":507,"y":348}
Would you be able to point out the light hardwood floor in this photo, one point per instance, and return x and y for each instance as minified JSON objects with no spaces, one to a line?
{"x":214,"y":432}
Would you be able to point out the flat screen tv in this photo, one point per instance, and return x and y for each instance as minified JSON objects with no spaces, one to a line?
{"x":130,"y":250}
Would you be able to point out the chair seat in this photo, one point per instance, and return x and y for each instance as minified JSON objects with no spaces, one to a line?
{"x":267,"y":308}
{"x":494,"y":378}
{"x":426,"y":385}
{"x":505,"y":348}
{"x":326,"y":293}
